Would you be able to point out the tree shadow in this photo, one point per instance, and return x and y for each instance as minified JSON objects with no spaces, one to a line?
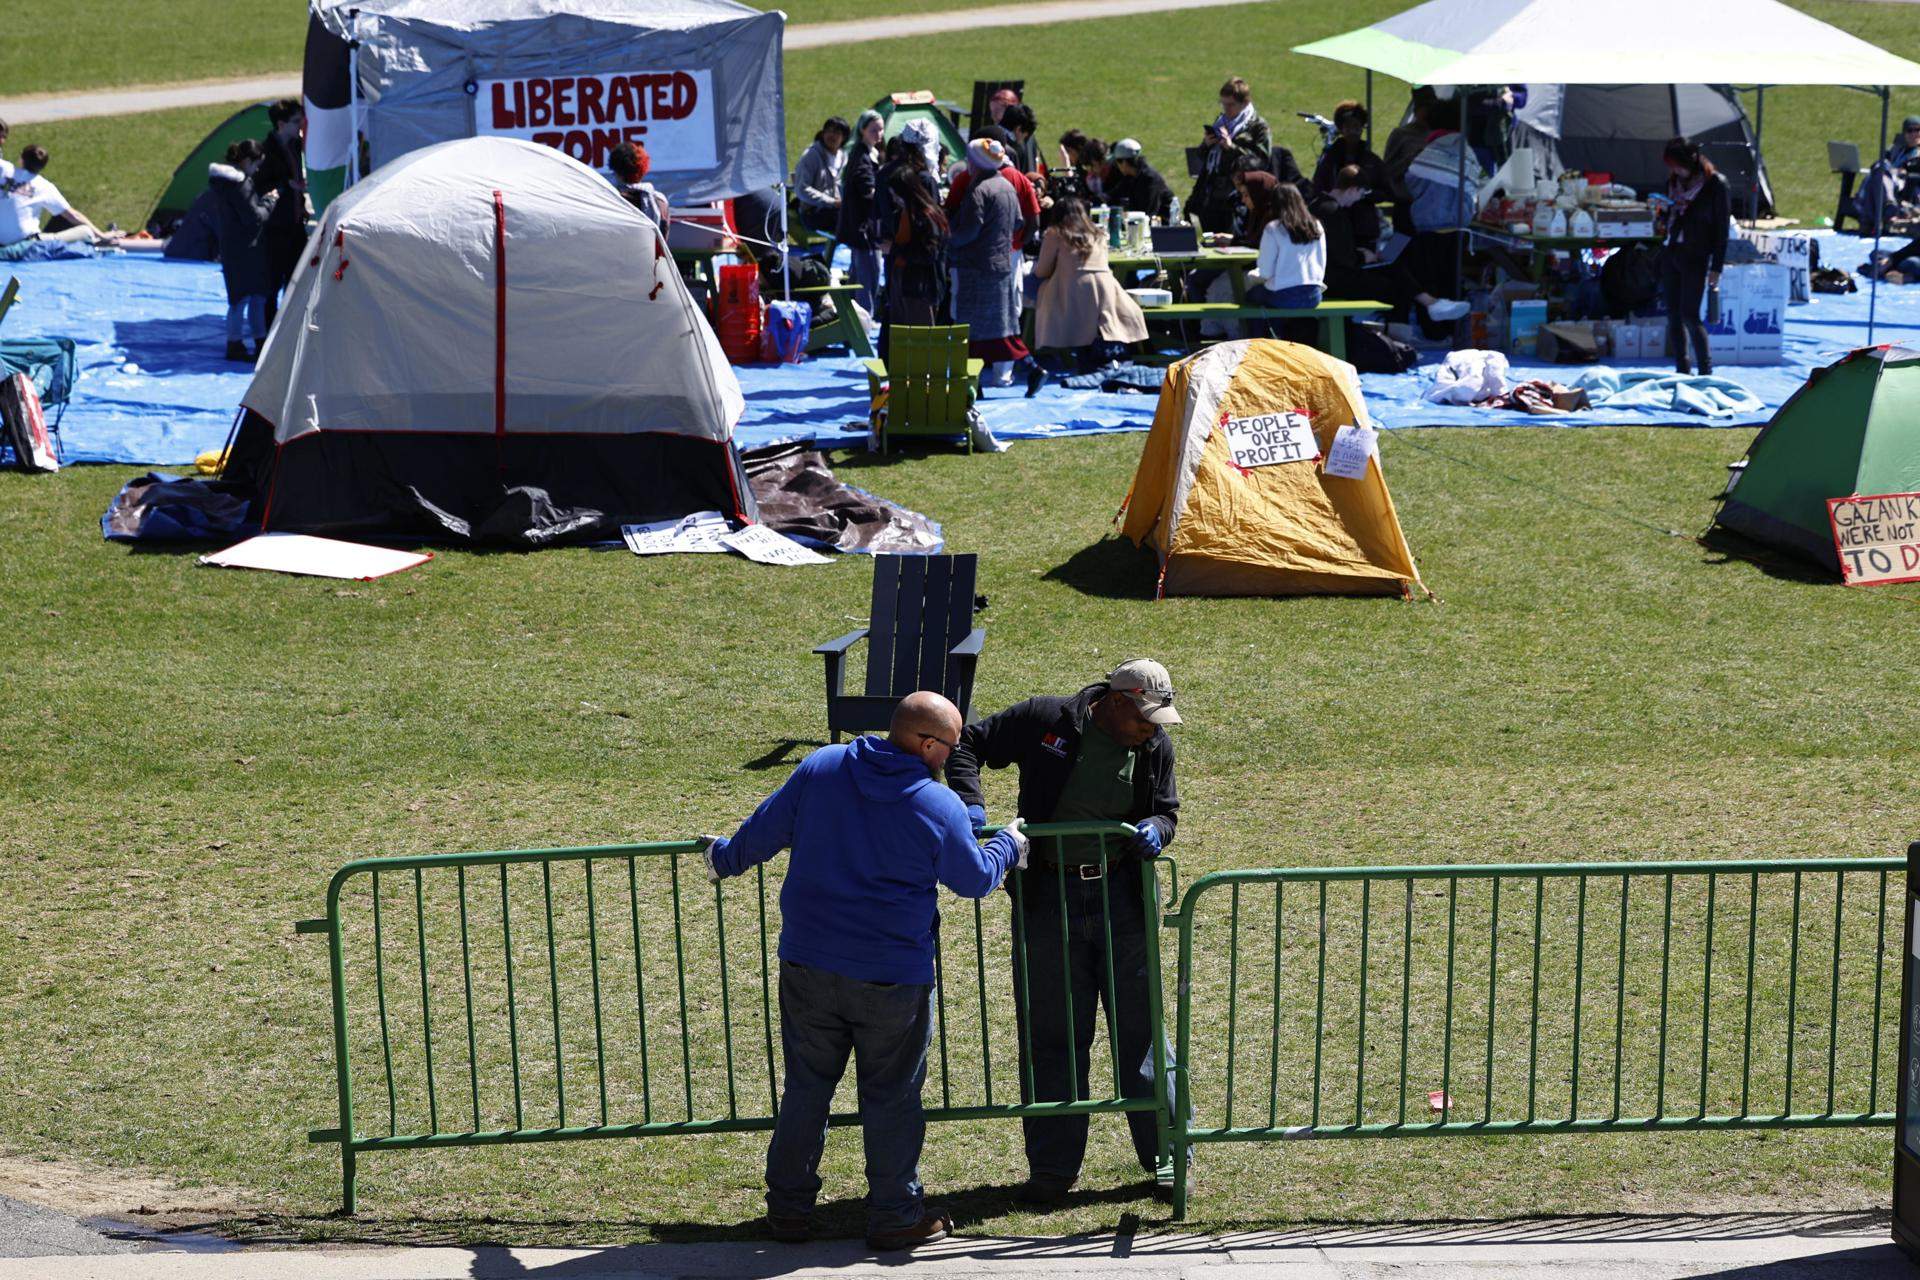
{"x":1112,"y":567}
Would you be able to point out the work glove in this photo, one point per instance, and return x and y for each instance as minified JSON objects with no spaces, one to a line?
{"x":977,"y":818}
{"x":1019,"y":841}
{"x":708,"y":846}
{"x":1146,"y":841}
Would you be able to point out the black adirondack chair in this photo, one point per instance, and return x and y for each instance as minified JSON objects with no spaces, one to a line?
{"x":920,"y":635}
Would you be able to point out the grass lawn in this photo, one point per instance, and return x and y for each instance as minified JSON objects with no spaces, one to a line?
{"x":113,"y":167}
{"x":190,"y":753}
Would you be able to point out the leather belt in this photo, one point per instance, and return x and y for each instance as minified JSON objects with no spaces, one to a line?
{"x":1079,"y":870}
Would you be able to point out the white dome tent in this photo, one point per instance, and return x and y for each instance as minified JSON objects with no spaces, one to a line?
{"x":485,"y":342}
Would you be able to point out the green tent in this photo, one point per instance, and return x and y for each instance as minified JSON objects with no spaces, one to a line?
{"x":190,"y":178}
{"x":1854,"y":428}
{"x":899,"y":108}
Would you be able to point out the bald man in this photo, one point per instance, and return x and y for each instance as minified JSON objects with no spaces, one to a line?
{"x":873,"y":833}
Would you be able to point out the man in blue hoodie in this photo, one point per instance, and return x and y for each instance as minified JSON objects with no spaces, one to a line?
{"x":873,"y":835}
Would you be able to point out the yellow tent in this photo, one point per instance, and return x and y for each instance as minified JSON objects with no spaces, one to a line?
{"x":1231,"y":489}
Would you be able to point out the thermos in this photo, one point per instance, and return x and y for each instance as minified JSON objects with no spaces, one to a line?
{"x":1713,"y":303}
{"x":1116,"y":228}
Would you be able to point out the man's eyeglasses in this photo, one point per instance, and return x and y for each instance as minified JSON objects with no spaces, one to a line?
{"x":934,"y":737}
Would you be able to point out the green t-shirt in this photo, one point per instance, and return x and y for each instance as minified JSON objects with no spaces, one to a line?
{"x":1099,"y":789}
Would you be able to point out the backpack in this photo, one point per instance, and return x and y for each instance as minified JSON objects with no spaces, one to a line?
{"x":1371,"y":350}
{"x":1832,"y":280}
{"x":784,"y":339}
{"x":1630,"y":279}
{"x":23,"y":428}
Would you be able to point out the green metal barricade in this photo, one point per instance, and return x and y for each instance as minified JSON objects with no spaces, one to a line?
{"x":1382,"y":1002}
{"x":551,"y":995}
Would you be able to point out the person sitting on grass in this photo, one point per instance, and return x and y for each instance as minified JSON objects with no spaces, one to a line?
{"x":1082,"y":310}
{"x":873,"y":836}
{"x":29,"y":194}
{"x":240,"y":219}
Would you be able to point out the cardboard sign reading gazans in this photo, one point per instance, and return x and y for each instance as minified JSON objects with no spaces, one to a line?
{"x":1877,"y":536}
{"x":1269,"y":439}
{"x":669,"y":112}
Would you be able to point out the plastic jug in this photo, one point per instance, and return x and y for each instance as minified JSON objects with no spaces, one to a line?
{"x":1580,"y":225}
{"x":1543,"y":218}
{"x":1558,"y":227}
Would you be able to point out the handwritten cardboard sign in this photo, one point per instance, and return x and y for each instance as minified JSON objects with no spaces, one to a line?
{"x":1877,"y":536}
{"x":1269,"y":439}
{"x":587,"y":116}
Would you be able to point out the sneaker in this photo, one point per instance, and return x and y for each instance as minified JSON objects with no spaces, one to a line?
{"x":934,"y":1225}
{"x":238,"y":351}
{"x":789,"y":1230}
{"x":1036,"y":378}
{"x":1446,"y":309}
{"x":1042,"y":1193}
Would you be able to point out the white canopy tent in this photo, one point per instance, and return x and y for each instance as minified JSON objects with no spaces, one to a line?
{"x":1497,"y":42}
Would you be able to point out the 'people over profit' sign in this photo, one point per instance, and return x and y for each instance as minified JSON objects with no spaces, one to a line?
{"x":1877,"y":536}
{"x":1268,"y":439}
{"x":669,"y":112}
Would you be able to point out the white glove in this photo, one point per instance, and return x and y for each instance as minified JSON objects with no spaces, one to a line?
{"x":1019,"y":841}
{"x":706,"y":857}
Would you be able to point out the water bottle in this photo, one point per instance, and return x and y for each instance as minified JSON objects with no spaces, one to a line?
{"x":1173,"y":212}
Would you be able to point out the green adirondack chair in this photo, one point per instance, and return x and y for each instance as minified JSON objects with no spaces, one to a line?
{"x":8,"y":296}
{"x":931,"y":383}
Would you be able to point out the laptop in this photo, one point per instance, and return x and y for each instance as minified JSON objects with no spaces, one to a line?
{"x":1177,"y":241}
{"x":1390,"y":252}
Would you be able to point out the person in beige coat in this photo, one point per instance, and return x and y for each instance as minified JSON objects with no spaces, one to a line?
{"x":1081,"y":306}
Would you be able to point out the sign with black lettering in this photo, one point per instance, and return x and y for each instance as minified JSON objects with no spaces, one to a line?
{"x":1877,"y":537}
{"x":1269,"y":439}
{"x":669,"y":112}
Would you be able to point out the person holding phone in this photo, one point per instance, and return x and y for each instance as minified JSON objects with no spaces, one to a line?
{"x":1237,"y":132}
{"x":1696,"y":247}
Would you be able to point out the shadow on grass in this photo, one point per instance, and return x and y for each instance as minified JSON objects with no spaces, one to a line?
{"x":1729,"y":547}
{"x":1111,"y":567}
{"x":776,"y":756}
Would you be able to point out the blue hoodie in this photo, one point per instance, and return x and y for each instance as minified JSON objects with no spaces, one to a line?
{"x":872,"y":835}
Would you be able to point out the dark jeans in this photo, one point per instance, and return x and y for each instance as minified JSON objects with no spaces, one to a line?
{"x":1683,"y":284}
{"x":823,"y":1018}
{"x":1057,"y":1145}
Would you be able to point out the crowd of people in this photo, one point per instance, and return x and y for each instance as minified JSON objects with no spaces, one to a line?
{"x":973,"y":239}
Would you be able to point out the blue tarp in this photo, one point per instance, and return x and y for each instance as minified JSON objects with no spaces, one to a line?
{"x":155,"y":389}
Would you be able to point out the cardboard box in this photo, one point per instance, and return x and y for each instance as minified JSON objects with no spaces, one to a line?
{"x":1524,"y":318}
{"x":1626,"y":340}
{"x":1764,"y":291}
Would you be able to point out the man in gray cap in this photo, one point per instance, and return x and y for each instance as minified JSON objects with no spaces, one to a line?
{"x":1102,"y":754}
{"x":1135,"y":185}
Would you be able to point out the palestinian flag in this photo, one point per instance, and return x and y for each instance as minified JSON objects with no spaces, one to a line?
{"x":325,"y":90}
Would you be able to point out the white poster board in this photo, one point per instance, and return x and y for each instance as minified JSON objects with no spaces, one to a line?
{"x":670,"y":112}
{"x":303,"y":553}
{"x":764,"y":546}
{"x":697,"y":533}
{"x":1347,"y":455}
{"x":1270,"y":439}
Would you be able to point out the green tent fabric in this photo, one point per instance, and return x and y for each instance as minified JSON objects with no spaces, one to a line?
{"x":900,"y":108}
{"x":190,"y":178}
{"x":1854,"y":428}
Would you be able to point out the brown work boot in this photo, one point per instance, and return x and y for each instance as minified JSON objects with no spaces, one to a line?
{"x":789,"y":1230}
{"x":934,"y":1225}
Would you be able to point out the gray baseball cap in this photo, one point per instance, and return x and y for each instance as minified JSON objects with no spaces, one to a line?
{"x":1150,"y":687}
{"x":1125,"y":149}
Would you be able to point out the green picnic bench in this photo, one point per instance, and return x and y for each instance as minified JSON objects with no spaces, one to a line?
{"x":1331,"y":315}
{"x":845,"y":328}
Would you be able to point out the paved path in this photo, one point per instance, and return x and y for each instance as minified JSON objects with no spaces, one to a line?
{"x":1748,"y":1246}
{"x":29,"y":1231}
{"x":35,"y":108}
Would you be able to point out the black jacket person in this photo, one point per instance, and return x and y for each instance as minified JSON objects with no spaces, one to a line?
{"x":1098,"y":755}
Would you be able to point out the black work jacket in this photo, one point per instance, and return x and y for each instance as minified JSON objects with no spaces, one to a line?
{"x":1042,"y":737}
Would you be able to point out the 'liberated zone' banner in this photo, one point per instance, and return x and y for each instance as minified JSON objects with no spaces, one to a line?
{"x":1877,"y":536}
{"x":669,"y":112}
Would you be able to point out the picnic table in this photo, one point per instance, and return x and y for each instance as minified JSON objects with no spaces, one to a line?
{"x":1540,"y":248}
{"x":1332,"y":315}
{"x":1236,"y":263}
{"x":845,"y":328}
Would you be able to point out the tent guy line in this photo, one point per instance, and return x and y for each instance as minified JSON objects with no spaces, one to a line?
{"x":42,"y":108}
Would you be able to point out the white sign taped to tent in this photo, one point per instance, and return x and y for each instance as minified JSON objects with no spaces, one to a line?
{"x":671,"y":113}
{"x":1877,"y":537}
{"x":1270,"y":439}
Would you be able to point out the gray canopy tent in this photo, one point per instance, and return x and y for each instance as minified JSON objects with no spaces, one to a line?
{"x":1756,"y":42}
{"x":698,"y":82}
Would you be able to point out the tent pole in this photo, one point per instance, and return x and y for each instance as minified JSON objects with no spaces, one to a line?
{"x":1369,"y":108}
{"x":1460,"y":190}
{"x":1759,"y":133}
{"x":1880,"y":217}
{"x":786,"y":268}
{"x":353,"y":97}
